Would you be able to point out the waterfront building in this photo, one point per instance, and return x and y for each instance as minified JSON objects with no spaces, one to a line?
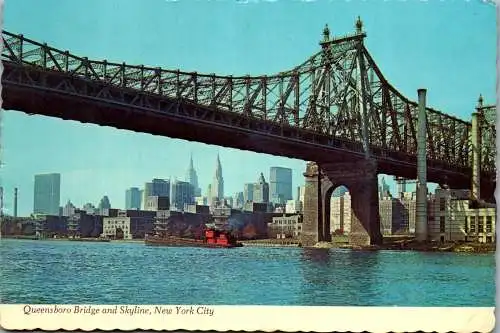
{"x":69,"y":209}
{"x":128,"y":224}
{"x":117,"y":227}
{"x":47,"y":194}
{"x":286,"y":226}
{"x":133,"y":198}
{"x":261,"y":190}
{"x":181,"y":193}
{"x":218,"y":182}
{"x":280,"y":185}
{"x":340,"y":214}
{"x":192,"y":177}
{"x":157,"y":187}
{"x":74,"y":230}
{"x":454,"y":218}
{"x":155,"y":203}
{"x":247,"y":192}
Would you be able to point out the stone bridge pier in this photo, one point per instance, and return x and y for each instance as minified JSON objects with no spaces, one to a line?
{"x":360,"y":178}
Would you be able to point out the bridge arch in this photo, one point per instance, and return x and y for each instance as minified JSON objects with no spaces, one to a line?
{"x":337,"y":202}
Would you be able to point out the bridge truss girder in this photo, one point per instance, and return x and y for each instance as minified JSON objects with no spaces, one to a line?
{"x":337,"y":97}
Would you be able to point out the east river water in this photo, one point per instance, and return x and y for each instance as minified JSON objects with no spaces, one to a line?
{"x":65,"y":272}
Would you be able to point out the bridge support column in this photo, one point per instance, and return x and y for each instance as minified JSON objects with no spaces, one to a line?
{"x":362,"y":182}
{"x":312,"y":209}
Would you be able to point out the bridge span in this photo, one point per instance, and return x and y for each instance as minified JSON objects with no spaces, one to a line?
{"x":335,"y":109}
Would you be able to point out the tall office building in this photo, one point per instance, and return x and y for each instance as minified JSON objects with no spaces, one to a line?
{"x":218,"y":182}
{"x":182,"y":193}
{"x":157,"y":187}
{"x":209,"y":195}
{"x":104,"y":203}
{"x":383,"y":189}
{"x":47,"y":194}
{"x":69,"y":209}
{"x":133,"y":198}
{"x":261,"y":190}
{"x":280,"y":185}
{"x":192,"y":177}
{"x":248,"y":192}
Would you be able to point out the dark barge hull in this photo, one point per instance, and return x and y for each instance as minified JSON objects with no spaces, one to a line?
{"x":184,"y":242}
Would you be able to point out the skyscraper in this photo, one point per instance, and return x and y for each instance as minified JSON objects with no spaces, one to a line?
{"x":157,"y":187}
{"x":218,"y":182}
{"x":209,"y":194}
{"x":280,"y":184}
{"x":192,"y":177}
{"x":47,"y":194}
{"x":248,"y":192}
{"x":182,"y":193}
{"x":261,"y":190}
{"x":133,"y":198}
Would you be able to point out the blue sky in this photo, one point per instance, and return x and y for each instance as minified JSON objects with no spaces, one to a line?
{"x":447,"y":47}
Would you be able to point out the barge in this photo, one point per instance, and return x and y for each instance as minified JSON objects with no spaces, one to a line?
{"x":212,"y":239}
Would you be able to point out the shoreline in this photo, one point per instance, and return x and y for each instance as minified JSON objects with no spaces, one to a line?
{"x":476,"y":248}
{"x":413,"y":246}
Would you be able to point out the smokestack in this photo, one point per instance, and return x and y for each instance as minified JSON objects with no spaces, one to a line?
{"x":15,"y":202}
{"x":476,"y":152}
{"x":421,"y":209}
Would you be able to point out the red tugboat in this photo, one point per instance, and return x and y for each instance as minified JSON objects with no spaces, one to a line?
{"x":213,"y":238}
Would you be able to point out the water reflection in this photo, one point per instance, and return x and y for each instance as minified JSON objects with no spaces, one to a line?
{"x":339,"y":277}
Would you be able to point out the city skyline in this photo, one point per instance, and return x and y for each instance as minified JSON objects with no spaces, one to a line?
{"x":147,"y":185}
{"x":113,"y":160}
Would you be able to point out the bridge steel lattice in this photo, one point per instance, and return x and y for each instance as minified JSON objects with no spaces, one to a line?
{"x":336,"y":106}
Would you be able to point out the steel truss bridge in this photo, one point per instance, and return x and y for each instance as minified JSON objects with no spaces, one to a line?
{"x":336,"y":105}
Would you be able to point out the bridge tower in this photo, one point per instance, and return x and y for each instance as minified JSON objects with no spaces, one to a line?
{"x":359,"y":175}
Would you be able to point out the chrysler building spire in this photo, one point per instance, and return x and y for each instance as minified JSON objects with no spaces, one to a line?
{"x":218,"y":182}
{"x":192,"y":177}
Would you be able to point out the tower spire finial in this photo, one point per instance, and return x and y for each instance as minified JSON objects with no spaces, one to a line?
{"x":326,"y":34}
{"x":480,"y":101}
{"x":359,"y":25}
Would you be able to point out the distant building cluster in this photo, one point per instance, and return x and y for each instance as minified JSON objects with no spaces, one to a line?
{"x":262,"y":209}
{"x":451,"y":216}
{"x":162,"y":205}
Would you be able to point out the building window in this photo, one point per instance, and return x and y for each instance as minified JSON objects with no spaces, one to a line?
{"x":488,"y":224}
{"x":466,"y":225}
{"x":442,"y":204}
{"x":442,"y":226}
{"x":472,"y":224}
{"x":480,"y":224}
